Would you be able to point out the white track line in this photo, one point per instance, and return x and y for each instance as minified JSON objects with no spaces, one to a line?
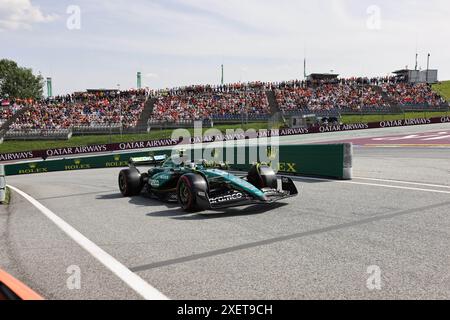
{"x":405,"y":182}
{"x":376,"y":185}
{"x":135,"y":282}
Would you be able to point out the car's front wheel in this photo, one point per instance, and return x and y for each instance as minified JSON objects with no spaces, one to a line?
{"x":188,"y":188}
{"x":262,"y":176}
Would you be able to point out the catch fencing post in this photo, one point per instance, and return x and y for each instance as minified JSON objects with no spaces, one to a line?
{"x":2,"y":184}
{"x":348,"y":161}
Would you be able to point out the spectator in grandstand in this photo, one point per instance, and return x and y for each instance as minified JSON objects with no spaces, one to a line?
{"x":412,"y":94}
{"x":84,"y":110}
{"x":204,"y":102}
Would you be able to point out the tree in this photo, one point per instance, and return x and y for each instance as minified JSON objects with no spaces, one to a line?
{"x":18,"y":82}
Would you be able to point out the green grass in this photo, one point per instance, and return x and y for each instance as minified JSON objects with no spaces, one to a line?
{"x":18,"y":146}
{"x":443,"y":88}
{"x":8,"y":197}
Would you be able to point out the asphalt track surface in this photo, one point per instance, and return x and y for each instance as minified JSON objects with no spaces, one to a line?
{"x":317,"y":246}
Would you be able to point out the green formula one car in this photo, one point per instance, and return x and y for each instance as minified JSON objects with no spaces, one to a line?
{"x":199,"y":185}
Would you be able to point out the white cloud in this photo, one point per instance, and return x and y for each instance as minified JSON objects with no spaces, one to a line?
{"x":21,"y":14}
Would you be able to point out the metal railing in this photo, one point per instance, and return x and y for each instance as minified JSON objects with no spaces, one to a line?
{"x":98,"y":129}
{"x":39,"y":134}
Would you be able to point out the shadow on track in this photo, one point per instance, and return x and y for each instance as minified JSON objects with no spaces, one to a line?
{"x":140,"y":200}
{"x":179,"y":214}
{"x":175,"y":212}
{"x":111,"y":196}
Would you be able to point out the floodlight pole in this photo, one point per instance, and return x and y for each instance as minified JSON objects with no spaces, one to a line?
{"x":120,"y":112}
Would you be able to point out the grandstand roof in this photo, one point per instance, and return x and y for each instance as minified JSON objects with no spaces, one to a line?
{"x":404,"y":71}
{"x":322,"y":76}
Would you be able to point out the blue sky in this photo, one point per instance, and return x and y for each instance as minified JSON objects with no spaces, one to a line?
{"x":180,"y":42}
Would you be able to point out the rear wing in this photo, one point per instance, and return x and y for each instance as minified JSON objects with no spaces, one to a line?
{"x":147,"y":161}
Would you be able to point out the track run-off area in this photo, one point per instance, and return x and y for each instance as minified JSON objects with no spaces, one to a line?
{"x":393,"y":217}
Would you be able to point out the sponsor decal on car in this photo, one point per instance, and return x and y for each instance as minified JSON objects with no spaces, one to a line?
{"x":154,"y":183}
{"x":227,"y":198}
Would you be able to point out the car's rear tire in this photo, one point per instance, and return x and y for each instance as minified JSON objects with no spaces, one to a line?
{"x":188,"y":189}
{"x":130,"y":182}
{"x":262,"y":177}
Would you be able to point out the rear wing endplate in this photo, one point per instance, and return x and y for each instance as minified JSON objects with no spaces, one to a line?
{"x":147,"y":161}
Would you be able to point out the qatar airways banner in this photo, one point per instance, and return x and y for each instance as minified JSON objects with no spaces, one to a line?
{"x":140,"y":145}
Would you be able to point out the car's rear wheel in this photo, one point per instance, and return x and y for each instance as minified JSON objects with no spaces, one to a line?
{"x":130,"y":182}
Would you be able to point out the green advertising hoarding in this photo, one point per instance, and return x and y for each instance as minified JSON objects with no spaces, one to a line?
{"x":331,"y":161}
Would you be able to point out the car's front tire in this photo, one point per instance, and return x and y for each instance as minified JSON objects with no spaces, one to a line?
{"x":188,"y":188}
{"x":262,"y":177}
{"x":130,"y":182}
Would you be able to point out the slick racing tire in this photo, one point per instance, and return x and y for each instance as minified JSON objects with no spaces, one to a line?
{"x":262,"y":177}
{"x":188,"y":189}
{"x":130,"y":182}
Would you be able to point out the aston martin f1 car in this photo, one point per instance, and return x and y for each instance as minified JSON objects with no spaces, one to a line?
{"x":202,"y":185}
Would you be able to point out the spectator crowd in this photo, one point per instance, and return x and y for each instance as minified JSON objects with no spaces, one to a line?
{"x":204,"y":102}
{"x":327,"y":97}
{"x":96,"y":108}
{"x":83,"y":109}
{"x":355,"y":94}
{"x":407,"y":94}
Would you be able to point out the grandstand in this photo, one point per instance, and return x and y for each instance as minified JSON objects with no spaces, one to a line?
{"x":109,"y":111}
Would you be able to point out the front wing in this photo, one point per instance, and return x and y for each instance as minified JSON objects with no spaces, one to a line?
{"x":289,"y":190}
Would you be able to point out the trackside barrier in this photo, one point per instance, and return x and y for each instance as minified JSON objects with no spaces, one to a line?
{"x":73,"y":164}
{"x":331,"y":161}
{"x":2,"y":184}
{"x":328,"y":161}
{"x":140,"y":146}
